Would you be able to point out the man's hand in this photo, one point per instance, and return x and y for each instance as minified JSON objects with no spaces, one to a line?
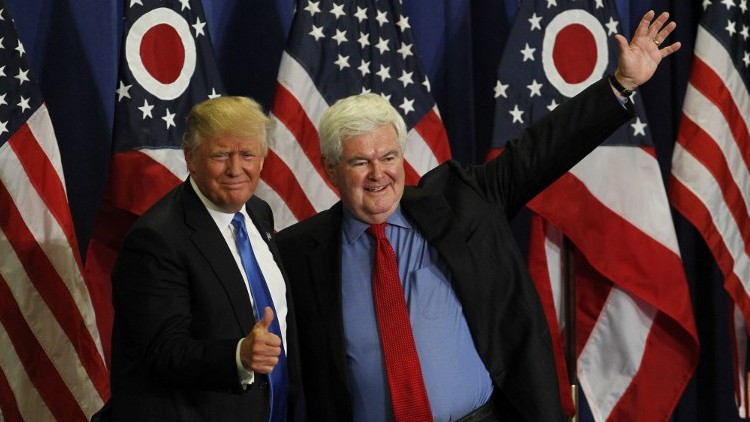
{"x":261,"y":350}
{"x":639,"y":59}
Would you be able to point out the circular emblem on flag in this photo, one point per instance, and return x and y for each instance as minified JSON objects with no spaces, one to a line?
{"x":574,"y":51}
{"x":160,"y":52}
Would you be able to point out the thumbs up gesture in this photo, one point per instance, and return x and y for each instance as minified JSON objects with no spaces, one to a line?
{"x":261,"y":349}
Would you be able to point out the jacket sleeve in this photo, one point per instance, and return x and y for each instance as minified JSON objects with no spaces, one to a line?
{"x":551,"y":146}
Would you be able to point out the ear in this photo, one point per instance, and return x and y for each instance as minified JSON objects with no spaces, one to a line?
{"x":188,"y":153}
{"x":330,"y":170}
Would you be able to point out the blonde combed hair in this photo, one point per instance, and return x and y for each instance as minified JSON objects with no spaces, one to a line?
{"x":226,"y":116}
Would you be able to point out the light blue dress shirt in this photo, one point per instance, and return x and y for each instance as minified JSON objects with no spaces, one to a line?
{"x":455,"y":377}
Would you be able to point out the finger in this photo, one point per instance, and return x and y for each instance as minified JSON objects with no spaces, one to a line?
{"x":657,"y":24}
{"x":664,"y":32}
{"x":269,"y":339}
{"x":670,"y":49}
{"x":264,"y":368}
{"x":622,"y":42}
{"x":261,"y":359}
{"x":261,"y":370}
{"x":644,"y":25}
{"x":267,"y":318}
{"x":264,"y":363}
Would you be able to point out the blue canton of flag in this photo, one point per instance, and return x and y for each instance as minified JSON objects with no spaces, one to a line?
{"x":167,"y":66}
{"x":361,"y":46}
{"x":19,"y":95}
{"x":613,"y":208}
{"x":337,"y":49}
{"x":52,"y":363}
{"x":556,"y":48}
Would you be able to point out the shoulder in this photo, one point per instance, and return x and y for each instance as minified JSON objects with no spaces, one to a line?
{"x":260,"y":208}
{"x":167,"y":210}
{"x":449,"y":169}
{"x":313,"y":230}
{"x":449,"y":177}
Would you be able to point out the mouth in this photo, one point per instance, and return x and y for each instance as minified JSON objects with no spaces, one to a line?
{"x":234,"y":185}
{"x":376,"y":189}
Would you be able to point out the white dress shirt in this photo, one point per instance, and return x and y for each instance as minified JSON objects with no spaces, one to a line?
{"x":271,"y":272}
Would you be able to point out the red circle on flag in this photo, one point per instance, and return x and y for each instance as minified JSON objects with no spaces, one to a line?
{"x":575,"y":64}
{"x":574,"y":51}
{"x":162,"y":53}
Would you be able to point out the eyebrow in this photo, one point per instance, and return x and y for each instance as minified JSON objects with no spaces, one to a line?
{"x":361,"y":157}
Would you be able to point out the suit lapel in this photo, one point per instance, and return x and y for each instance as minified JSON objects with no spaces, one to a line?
{"x":434,"y":217}
{"x":266,"y":232}
{"x":325,"y":262}
{"x":209,"y":241}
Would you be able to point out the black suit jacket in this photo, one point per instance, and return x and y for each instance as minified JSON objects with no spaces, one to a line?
{"x":463,"y":212}
{"x":181,"y":306}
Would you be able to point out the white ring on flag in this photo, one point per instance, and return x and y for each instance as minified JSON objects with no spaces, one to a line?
{"x":557,"y":24}
{"x":133,"y":41}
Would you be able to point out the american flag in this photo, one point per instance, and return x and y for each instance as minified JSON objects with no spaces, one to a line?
{"x":637,"y":344}
{"x":52,"y":364}
{"x":167,"y":66}
{"x":710,"y":177}
{"x":336,"y":49}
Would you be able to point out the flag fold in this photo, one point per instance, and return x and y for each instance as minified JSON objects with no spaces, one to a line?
{"x":636,"y":340}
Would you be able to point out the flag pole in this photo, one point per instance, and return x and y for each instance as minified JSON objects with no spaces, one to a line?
{"x":569,"y":298}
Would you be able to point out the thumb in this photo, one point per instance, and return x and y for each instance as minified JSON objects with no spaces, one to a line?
{"x":622,"y":42}
{"x":267,"y":318}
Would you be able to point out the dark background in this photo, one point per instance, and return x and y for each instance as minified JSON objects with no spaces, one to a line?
{"x":73,"y":47}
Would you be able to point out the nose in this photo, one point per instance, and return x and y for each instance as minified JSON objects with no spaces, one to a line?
{"x":233,"y":165}
{"x":376,"y":170}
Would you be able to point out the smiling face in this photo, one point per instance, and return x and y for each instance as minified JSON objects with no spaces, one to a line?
{"x":370,"y":174}
{"x":226,"y":169}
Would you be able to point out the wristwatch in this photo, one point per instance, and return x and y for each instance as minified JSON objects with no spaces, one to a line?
{"x":618,"y":86}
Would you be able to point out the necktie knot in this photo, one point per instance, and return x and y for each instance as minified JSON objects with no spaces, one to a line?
{"x":238,"y":221}
{"x":377,"y":231}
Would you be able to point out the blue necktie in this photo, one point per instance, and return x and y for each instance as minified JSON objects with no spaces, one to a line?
{"x":262,"y":298}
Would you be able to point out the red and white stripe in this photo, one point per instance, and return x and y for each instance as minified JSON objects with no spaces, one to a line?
{"x":636,"y":338}
{"x":547,"y":265}
{"x":293,"y":179}
{"x":52,"y":364}
{"x":139,"y":178}
{"x":710,"y":178}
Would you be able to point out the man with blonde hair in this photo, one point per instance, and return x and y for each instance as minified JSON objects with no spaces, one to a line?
{"x":204,"y":326}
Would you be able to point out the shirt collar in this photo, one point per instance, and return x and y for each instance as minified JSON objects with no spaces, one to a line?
{"x":353,"y":228}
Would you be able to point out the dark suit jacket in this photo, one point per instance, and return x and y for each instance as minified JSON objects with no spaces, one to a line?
{"x":181,"y":306}
{"x":463,"y":212}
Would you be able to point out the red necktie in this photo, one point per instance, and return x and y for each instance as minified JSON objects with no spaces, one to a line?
{"x":408,"y":393}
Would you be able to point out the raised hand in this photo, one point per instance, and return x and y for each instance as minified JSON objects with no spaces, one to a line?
{"x":261,"y":349}
{"x":640,"y":58}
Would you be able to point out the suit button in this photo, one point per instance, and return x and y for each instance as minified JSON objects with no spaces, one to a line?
{"x":263,"y":386}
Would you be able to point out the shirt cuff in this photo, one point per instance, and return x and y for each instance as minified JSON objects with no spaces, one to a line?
{"x":621,"y":99}
{"x":246,"y":377}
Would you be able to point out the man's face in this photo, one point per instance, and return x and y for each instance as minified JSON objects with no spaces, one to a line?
{"x":226,"y":169}
{"x":370,"y":174}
